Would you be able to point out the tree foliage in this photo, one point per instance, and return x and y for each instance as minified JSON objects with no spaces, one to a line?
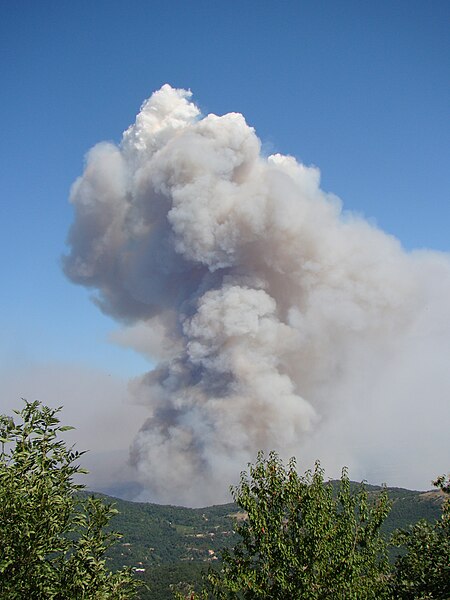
{"x":52,"y":541}
{"x":300,"y":540}
{"x":422,"y":572}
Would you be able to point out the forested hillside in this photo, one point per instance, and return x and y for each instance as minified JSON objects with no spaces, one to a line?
{"x":169,"y":545}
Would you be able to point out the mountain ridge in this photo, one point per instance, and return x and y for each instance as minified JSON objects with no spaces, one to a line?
{"x":170,"y":545}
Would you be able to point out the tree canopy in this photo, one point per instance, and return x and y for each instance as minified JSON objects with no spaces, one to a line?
{"x":52,"y":540}
{"x":422,"y":571}
{"x":302,"y":540}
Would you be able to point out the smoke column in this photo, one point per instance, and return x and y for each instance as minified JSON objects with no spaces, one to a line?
{"x":272,"y":317}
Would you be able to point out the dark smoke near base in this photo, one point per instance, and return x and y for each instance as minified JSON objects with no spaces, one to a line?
{"x":275,"y":321}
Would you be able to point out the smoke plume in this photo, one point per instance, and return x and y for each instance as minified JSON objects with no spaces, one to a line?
{"x":275,"y":320}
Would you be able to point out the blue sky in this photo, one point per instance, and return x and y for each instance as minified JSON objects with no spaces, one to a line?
{"x":360,"y":89}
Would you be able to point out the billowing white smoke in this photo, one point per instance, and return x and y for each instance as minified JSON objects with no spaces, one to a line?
{"x":266,"y":310}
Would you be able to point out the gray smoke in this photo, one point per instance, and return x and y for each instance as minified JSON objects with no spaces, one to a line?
{"x":275,"y":320}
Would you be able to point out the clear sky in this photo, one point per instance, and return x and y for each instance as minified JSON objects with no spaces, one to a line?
{"x":359,"y":88}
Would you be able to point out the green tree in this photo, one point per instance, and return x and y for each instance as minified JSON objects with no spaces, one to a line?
{"x":300,"y":540}
{"x":423,"y":571}
{"x":52,"y":540}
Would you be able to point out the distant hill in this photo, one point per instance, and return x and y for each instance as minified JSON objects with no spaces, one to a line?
{"x":169,"y":545}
